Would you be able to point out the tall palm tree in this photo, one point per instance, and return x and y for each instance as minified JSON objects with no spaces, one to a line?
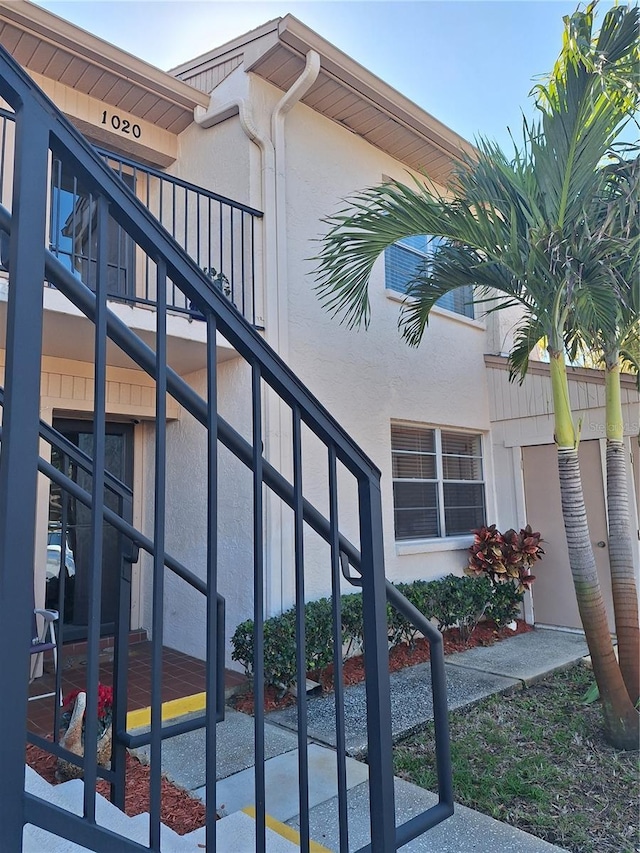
{"x":615,"y":219}
{"x":512,"y":228}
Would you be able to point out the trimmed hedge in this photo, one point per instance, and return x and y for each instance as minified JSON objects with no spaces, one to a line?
{"x":449,"y":601}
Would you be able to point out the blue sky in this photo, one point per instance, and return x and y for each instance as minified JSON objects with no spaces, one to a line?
{"x":468,"y":62}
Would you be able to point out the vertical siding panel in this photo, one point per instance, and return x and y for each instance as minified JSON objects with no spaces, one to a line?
{"x":78,"y":388}
{"x":54,"y":386}
{"x":66,"y":387}
{"x":125,"y":394}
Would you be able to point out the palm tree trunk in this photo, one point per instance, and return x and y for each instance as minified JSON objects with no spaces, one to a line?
{"x":621,"y":720}
{"x":623,"y":579}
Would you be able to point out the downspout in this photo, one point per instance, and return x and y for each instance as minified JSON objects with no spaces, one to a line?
{"x":279,"y":524}
{"x":214,"y":114}
{"x":297,"y":91}
{"x":277,"y":416}
{"x":273,"y":188}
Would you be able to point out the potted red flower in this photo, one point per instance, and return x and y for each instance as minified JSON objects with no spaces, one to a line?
{"x":73,"y":729}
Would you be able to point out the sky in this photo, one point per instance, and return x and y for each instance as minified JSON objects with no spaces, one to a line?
{"x":470,"y":63}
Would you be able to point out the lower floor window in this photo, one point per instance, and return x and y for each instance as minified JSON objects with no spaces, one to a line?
{"x":438,"y":482}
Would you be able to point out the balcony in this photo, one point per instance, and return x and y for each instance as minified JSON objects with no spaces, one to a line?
{"x":219,"y":234}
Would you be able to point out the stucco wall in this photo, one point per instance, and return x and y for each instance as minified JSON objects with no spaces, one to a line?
{"x":186,"y":514}
{"x":367,"y":379}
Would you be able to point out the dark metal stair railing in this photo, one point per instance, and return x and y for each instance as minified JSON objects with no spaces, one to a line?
{"x":121,"y":738}
{"x":40,"y":128}
{"x":217,"y":232}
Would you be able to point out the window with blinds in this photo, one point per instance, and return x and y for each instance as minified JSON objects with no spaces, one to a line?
{"x":404,"y":260}
{"x":438,"y":482}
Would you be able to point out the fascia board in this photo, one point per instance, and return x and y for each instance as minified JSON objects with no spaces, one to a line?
{"x":299,"y":38}
{"x":93,"y":50}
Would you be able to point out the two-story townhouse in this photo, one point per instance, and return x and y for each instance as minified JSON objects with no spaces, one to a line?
{"x":240,"y":153}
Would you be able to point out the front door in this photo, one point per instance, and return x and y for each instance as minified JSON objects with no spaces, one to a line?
{"x":70,"y":522}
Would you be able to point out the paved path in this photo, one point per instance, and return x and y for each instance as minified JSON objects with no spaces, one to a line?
{"x":471,"y":675}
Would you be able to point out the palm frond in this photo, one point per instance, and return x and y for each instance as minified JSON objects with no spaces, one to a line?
{"x":527,"y":336}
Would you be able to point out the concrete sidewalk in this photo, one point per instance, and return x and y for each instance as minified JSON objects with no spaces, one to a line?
{"x":471,"y":675}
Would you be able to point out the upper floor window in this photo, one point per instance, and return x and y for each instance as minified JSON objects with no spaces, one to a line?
{"x":73,"y":235}
{"x":402,"y":261}
{"x":438,"y":482}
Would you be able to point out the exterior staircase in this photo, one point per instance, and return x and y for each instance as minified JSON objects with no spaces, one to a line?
{"x":40,"y":817}
{"x":235,"y":832}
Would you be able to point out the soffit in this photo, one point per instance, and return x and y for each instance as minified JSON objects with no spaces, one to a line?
{"x":345,"y":92}
{"x":48,"y":45}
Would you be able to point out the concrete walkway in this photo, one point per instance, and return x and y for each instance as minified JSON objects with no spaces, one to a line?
{"x":471,"y":675}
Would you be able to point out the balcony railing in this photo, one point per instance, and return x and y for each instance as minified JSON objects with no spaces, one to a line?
{"x":219,"y":234}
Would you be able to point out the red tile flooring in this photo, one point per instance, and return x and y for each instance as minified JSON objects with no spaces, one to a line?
{"x":182,"y":675}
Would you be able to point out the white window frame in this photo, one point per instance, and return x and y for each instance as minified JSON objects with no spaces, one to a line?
{"x":408,"y":545}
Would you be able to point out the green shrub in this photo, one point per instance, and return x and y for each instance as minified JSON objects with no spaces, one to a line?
{"x":460,"y":601}
{"x":242,"y":642}
{"x":504,"y":605}
{"x":280,"y":643}
{"x":352,"y":624}
{"x":318,"y":620}
{"x":279,"y":649}
{"x":450,"y":600}
{"x":420,"y":594}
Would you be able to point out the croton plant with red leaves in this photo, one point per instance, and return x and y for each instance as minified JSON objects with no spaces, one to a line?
{"x":504,"y":557}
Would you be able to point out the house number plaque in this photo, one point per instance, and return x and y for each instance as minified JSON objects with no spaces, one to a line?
{"x":123,"y":125}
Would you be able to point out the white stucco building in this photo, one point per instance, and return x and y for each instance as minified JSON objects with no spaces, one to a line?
{"x":284,"y":124}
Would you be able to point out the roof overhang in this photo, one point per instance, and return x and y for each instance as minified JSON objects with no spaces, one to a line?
{"x":345,"y":92}
{"x":54,"y":49}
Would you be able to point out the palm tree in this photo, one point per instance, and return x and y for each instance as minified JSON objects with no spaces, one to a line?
{"x":513,"y":229}
{"x":615,"y":219}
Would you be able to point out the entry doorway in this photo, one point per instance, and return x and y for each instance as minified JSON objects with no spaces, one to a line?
{"x":69,"y":529}
{"x":554,"y":598}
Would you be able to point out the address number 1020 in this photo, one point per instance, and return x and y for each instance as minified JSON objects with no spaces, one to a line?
{"x":121,"y":124}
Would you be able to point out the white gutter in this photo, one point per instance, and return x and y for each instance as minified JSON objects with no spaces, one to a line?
{"x":215,"y":114}
{"x":297,"y":91}
{"x":277,"y":415}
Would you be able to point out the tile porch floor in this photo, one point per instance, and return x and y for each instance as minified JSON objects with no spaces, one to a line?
{"x":182,"y":675}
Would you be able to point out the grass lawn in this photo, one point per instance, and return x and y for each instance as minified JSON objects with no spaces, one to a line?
{"x":536,"y":759}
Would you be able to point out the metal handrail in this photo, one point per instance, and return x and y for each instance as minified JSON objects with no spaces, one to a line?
{"x":215,"y":230}
{"x":40,"y":127}
{"x":179,"y":182}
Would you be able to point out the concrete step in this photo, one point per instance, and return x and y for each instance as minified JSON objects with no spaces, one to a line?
{"x":236,"y":833}
{"x":69,"y":796}
{"x":170,"y":841}
{"x":281,"y":783}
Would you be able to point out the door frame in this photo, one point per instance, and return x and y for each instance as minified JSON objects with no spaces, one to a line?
{"x":65,"y":425}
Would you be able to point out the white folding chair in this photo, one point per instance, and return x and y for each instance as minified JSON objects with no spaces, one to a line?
{"x":44,"y":641}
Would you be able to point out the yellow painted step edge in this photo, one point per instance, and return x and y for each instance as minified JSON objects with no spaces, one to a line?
{"x":286,"y":831}
{"x":174,"y":708}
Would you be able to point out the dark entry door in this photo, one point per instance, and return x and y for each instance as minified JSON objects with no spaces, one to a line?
{"x":70,"y":523}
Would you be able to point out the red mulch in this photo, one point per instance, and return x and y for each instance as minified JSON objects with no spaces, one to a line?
{"x":179,"y":810}
{"x":182,"y":812}
{"x":400,"y":656}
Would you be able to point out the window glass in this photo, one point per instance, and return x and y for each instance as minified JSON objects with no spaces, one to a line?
{"x":461,"y":456}
{"x":404,"y":260}
{"x":416,"y":510}
{"x":438,"y":487}
{"x":73,"y":235}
